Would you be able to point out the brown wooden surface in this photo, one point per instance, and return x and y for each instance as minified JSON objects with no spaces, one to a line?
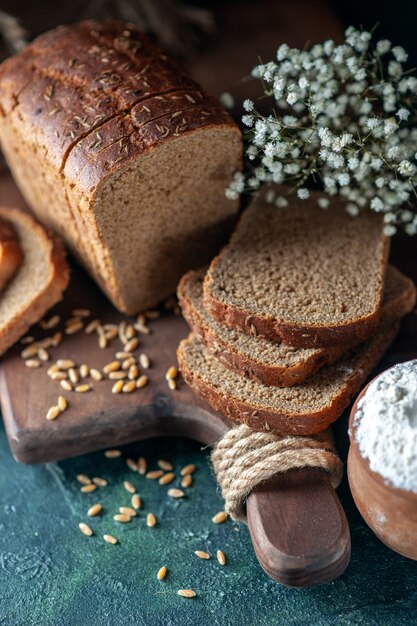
{"x":319,"y":550}
{"x":99,"y":419}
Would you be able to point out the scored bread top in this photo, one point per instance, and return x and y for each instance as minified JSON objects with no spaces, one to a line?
{"x":101,"y":93}
{"x":301,"y":275}
{"x":39,"y":282}
{"x":272,"y":363}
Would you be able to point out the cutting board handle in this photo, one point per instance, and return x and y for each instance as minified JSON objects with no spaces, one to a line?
{"x":298,"y":528}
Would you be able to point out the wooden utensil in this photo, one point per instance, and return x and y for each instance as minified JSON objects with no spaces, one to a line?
{"x":298,"y":528}
{"x":391,"y":513}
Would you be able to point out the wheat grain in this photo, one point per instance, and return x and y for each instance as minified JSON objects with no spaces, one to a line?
{"x":88,"y":488}
{"x":171,"y":373}
{"x":150,"y":520}
{"x":95,"y":374}
{"x":74,"y":328}
{"x":117,"y":375}
{"x":111,"y":367}
{"x":162,"y":572}
{"x":100,"y":482}
{"x":133,"y":373}
{"x":142,"y":381}
{"x":221,"y":557}
{"x":165,"y":465}
{"x":175,"y":493}
{"x":127,"y":510}
{"x":154,"y":474}
{"x":110,"y":539}
{"x":117,"y":387}
{"x":64,"y":364}
{"x":142,"y":465}
{"x":112,"y":454}
{"x":186,"y":593}
{"x":85,"y":529}
{"x":33,"y":363}
{"x":129,"y":387}
{"x":43,"y":354}
{"x":132,"y":465}
{"x":92,"y":326}
{"x":73,"y":375}
{"x":53,"y":413}
{"x":62,"y":403}
{"x":94,"y":510}
{"x":144,"y":361}
{"x":187,"y":481}
{"x":123,"y":519}
{"x":84,"y":370}
{"x":65,"y":384}
{"x":83,"y":388}
{"x":136,"y":501}
{"x":129,"y":487}
{"x":219,"y":518}
{"x":188,"y":469}
{"x":131,"y":345}
{"x":167,"y":478}
{"x":83,"y":479}
{"x":81,"y":313}
{"x":201,"y":554}
{"x":172,"y":384}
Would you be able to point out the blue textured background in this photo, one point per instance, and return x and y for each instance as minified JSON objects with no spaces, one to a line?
{"x":52,"y":575}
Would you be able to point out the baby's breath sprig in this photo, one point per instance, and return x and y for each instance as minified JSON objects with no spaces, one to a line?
{"x":342,"y":115}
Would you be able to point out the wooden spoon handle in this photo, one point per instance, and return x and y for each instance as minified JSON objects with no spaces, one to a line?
{"x":298,"y":528}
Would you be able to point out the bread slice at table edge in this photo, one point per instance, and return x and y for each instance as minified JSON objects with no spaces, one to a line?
{"x":53,"y":288}
{"x":399,"y":298}
{"x":295,"y":333}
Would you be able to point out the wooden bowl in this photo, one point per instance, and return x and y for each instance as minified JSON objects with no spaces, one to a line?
{"x":391,"y":513}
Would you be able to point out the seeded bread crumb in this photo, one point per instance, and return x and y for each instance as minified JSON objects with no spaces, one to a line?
{"x":301,"y":275}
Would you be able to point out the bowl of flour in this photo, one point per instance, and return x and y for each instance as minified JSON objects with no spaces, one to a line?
{"x":382,"y":462}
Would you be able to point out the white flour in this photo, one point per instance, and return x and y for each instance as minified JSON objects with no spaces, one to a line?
{"x":386,"y":425}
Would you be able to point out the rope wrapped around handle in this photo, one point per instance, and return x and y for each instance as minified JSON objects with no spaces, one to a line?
{"x":243,"y":458}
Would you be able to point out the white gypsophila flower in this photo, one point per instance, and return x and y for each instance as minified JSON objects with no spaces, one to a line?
{"x":403,"y":114}
{"x":303,"y":193}
{"x":248,"y":105}
{"x":389,"y":230}
{"x":343,"y":114}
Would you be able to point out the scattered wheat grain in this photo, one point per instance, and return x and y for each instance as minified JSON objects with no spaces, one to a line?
{"x":221,"y":557}
{"x":201,"y":554}
{"x":219,"y":518}
{"x":162,"y":572}
{"x":112,"y":454}
{"x":110,"y":539}
{"x":175,"y":493}
{"x":150,"y":520}
{"x":94,"y":510}
{"x":85,"y":529}
{"x":186,"y":593}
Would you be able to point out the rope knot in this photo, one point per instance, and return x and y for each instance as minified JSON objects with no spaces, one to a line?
{"x":243,"y":458}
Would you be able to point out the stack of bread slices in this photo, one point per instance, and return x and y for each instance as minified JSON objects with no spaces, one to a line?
{"x":291,"y":317}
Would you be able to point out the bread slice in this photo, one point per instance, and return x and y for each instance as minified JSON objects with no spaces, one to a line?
{"x":307,"y":408}
{"x":10,"y":253}
{"x":301,"y":275}
{"x":39,"y":283}
{"x":266,"y":361}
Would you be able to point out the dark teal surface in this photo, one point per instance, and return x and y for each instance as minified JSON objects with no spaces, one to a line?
{"x":52,"y":575}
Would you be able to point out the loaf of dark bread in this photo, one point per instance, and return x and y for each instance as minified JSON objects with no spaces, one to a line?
{"x":117,"y":149}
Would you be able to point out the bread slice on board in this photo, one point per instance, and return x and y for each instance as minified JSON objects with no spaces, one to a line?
{"x":39,"y":283}
{"x":268,"y":362}
{"x":302,"y":410}
{"x":301,"y":275}
{"x":10,"y":253}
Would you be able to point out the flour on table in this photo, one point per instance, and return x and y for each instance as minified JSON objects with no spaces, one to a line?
{"x":386,"y":425}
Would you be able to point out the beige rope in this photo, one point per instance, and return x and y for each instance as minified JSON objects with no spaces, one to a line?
{"x":243,"y":458}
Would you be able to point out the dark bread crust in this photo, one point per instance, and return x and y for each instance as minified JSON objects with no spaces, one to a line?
{"x":11,"y":255}
{"x":296,"y":423}
{"x":269,"y":375}
{"x":53,"y":290}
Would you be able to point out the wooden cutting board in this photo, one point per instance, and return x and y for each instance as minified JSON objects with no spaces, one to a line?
{"x":289,"y":546}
